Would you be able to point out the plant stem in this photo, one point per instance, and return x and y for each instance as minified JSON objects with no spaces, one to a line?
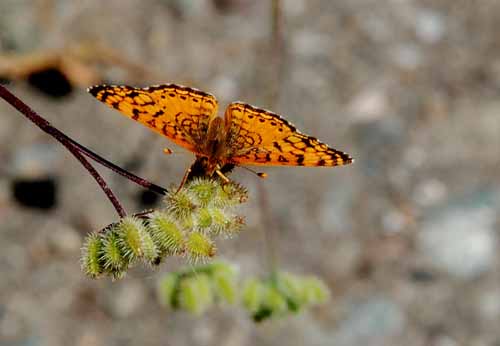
{"x":77,"y":150}
{"x":123,"y":172}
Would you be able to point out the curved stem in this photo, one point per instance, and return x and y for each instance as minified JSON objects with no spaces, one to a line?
{"x":117,"y":169}
{"x":77,"y":150}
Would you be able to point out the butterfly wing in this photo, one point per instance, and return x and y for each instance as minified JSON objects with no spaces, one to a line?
{"x":179,"y":113}
{"x":259,"y":137}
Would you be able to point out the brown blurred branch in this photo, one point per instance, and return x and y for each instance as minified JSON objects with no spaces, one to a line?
{"x":276,"y":56}
{"x":277,"y":51}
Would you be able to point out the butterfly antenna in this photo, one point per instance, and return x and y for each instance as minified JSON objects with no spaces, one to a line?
{"x":184,"y":179}
{"x":259,"y":174}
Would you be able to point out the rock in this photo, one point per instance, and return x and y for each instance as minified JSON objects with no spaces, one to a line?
{"x":369,"y":105}
{"x":430,"y":26}
{"x":489,"y":306}
{"x":308,"y":44}
{"x":35,"y":161}
{"x":460,"y":241}
{"x":430,"y":192}
{"x":394,"y":221}
{"x":406,"y":56}
{"x":294,"y":8}
{"x":188,"y":8}
{"x":370,"y":323}
{"x":64,"y":238}
{"x":127,"y":299}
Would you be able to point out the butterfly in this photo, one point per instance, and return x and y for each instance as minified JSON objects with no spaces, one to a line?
{"x":245,"y":136}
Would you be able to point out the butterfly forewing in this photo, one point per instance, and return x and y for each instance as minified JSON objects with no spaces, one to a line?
{"x":181,"y":114}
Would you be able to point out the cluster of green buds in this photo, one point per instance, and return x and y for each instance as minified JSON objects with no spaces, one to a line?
{"x":282,"y":294}
{"x":198,"y":288}
{"x":187,"y":225}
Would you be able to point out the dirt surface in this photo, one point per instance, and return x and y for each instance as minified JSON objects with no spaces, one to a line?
{"x":406,"y":238}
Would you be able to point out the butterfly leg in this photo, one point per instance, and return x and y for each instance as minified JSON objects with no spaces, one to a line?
{"x":222,"y":176}
{"x":184,"y":179}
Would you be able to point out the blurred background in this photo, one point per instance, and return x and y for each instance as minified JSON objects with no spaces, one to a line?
{"x":406,"y":238}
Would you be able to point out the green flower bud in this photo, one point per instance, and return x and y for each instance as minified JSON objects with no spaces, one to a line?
{"x":133,"y":238}
{"x":199,"y":246}
{"x":180,"y":203}
{"x":203,"y":190}
{"x":167,"y":288}
{"x":166,"y":234}
{"x":111,"y":254}
{"x":195,"y":294}
{"x":91,"y":255}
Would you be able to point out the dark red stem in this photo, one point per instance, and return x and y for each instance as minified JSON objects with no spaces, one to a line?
{"x":77,"y":150}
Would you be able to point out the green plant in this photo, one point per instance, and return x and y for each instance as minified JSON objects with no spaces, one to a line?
{"x":196,"y":289}
{"x":188,"y":224}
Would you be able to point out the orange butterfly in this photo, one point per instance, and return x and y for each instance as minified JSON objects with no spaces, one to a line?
{"x":246,"y":135}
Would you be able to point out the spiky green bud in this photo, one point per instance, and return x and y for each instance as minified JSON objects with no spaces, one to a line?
{"x":282,"y":294}
{"x":195,"y":294}
{"x":274,"y":300}
{"x":111,"y":254}
{"x":203,"y":190}
{"x":180,"y":203}
{"x":226,"y":224}
{"x":314,"y":291}
{"x":224,"y":282}
{"x":253,"y":295}
{"x":199,"y":246}
{"x":149,"y":248}
{"x":91,"y":255}
{"x":166,"y":234}
{"x":204,"y":218}
{"x":133,"y":238}
{"x":167,"y":288}
{"x":229,"y":195}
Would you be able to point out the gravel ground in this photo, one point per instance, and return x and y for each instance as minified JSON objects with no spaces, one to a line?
{"x":406,"y":238}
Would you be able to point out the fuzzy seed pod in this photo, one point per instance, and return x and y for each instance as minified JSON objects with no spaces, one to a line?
{"x":111,"y":254}
{"x":180,"y":204}
{"x":225,"y":223}
{"x":166,"y":234}
{"x":149,"y":248}
{"x":133,"y":238}
{"x":314,"y":291}
{"x":195,"y":294}
{"x":199,"y":246}
{"x":229,"y":195}
{"x":203,"y":218}
{"x":253,"y":295}
{"x":167,"y":288}
{"x":91,"y":255}
{"x":203,"y":190}
{"x":224,"y":282}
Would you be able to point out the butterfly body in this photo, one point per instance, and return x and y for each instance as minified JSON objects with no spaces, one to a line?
{"x":215,"y":151}
{"x":245,"y":136}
